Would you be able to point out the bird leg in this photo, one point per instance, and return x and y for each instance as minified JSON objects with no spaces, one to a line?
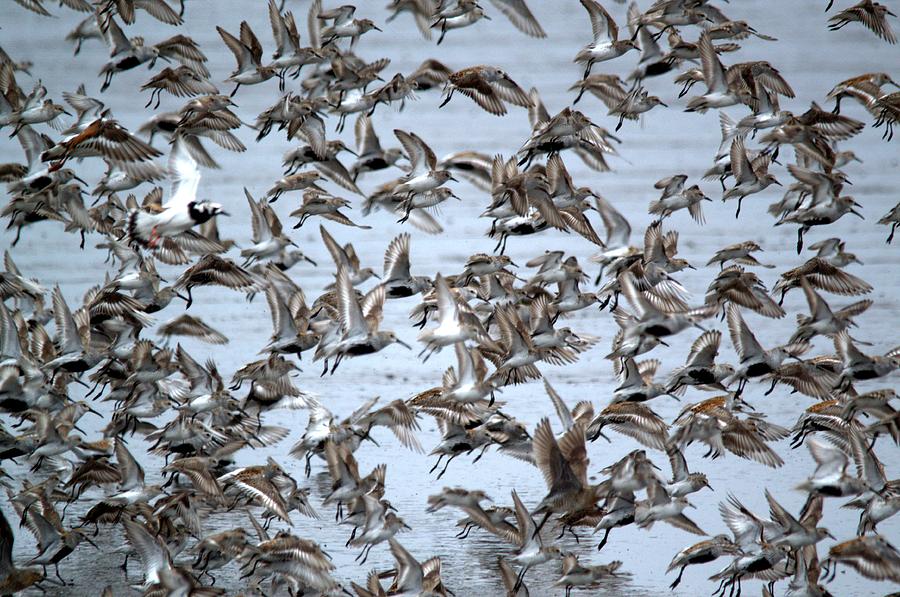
{"x":449,"y":460}
{"x":678,"y":580}
{"x":446,"y":99}
{"x":480,"y":454}
{"x":154,"y":238}
{"x":519,"y":579}
{"x":465,"y":532}
{"x":352,"y":537}
{"x":605,"y":537}
{"x":537,"y":529}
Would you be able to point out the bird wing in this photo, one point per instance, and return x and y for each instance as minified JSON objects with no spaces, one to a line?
{"x":520,"y":16}
{"x":602,"y":24}
{"x":396,"y":258}
{"x":705,"y":349}
{"x":561,"y":409}
{"x":366,"y":139}
{"x":352,"y":320}
{"x":185,"y":173}
{"x":745,"y":343}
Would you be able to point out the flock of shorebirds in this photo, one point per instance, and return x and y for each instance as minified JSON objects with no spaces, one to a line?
{"x":502,"y":321}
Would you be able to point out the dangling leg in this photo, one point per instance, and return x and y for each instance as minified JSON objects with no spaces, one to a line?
{"x":480,"y":454}
{"x":678,"y":580}
{"x":449,"y":460}
{"x":520,"y":578}
{"x":465,"y":532}
{"x":605,"y":537}
{"x":537,"y":529}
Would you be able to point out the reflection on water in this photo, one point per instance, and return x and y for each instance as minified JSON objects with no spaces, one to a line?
{"x":667,"y":141}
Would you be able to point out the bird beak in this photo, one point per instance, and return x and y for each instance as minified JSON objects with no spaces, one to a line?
{"x":487,"y":17}
{"x":66,"y":112}
{"x":856,"y":213}
{"x":454,"y":179}
{"x":664,"y":104}
{"x":224,"y":213}
{"x":91,"y":410}
{"x":79,"y":179}
{"x":402,"y":343}
{"x":375,"y":27}
{"x":778,"y":183}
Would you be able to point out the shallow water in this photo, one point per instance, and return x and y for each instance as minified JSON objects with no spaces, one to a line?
{"x":667,"y":141}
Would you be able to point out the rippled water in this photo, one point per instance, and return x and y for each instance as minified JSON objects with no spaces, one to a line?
{"x":667,"y":141}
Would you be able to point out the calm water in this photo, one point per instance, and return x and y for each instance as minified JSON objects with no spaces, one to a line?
{"x":666,"y":142}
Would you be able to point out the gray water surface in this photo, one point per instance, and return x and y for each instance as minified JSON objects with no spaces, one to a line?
{"x":666,"y":141}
